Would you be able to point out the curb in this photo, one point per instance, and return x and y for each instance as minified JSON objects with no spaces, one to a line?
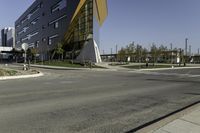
{"x":58,"y":68}
{"x":163,"y":120}
{"x":70,"y":68}
{"x":22,"y":76}
{"x":176,"y":68}
{"x":55,"y":67}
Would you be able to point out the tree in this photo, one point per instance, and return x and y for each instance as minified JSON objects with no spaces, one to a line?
{"x":34,"y":52}
{"x":122,"y":54}
{"x":59,"y":50}
{"x":154,"y":52}
{"x":138,"y":52}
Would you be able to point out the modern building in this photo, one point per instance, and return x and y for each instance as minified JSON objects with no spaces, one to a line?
{"x":73,"y":23}
{"x":8,"y":37}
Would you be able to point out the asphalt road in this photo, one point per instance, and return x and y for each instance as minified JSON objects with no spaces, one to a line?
{"x":66,"y":101}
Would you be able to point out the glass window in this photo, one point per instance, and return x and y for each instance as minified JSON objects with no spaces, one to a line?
{"x":34,"y":21}
{"x":50,"y":42}
{"x":31,"y":45}
{"x":51,"y":38}
{"x":43,"y":39}
{"x":59,"y":6}
{"x":36,"y":44}
{"x":56,"y":25}
{"x":58,"y":19}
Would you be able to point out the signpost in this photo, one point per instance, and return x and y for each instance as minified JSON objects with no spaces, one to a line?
{"x":25,"y":48}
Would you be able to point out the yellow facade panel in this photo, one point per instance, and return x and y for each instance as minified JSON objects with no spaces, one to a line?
{"x":102,"y":10}
{"x":81,"y":3}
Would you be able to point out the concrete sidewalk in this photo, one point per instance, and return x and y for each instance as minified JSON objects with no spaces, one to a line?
{"x":189,"y":123}
{"x":119,"y":67}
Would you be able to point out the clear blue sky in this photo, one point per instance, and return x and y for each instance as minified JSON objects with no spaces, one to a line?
{"x":148,"y":21}
{"x":10,"y":10}
{"x":141,"y":21}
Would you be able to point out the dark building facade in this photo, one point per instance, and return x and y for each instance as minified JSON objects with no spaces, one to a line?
{"x":3,"y":37}
{"x":49,"y":22}
{"x":8,"y":37}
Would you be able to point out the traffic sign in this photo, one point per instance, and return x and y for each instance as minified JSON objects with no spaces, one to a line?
{"x":25,"y":46}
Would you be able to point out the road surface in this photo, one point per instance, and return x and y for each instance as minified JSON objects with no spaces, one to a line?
{"x":82,"y":101}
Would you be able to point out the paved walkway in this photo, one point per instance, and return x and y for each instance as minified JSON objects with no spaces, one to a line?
{"x":189,"y":123}
{"x":118,"y":67}
{"x":114,"y":67}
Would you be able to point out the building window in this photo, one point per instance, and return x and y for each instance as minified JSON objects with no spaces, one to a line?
{"x":33,"y":34}
{"x":34,"y":21}
{"x":25,"y":29}
{"x":31,"y":45}
{"x":36,"y":44}
{"x":43,"y":39}
{"x":18,"y":26}
{"x":43,"y":27}
{"x":50,"y":42}
{"x":20,"y":32}
{"x":26,"y":38}
{"x":31,"y":13}
{"x":58,"y":19}
{"x":34,"y":11}
{"x":56,"y":25}
{"x":59,"y":6}
{"x":18,"y":42}
{"x":29,"y":36}
{"x":51,"y":38}
{"x":41,"y":4}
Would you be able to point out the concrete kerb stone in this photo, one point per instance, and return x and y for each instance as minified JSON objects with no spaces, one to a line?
{"x":175,"y":68}
{"x":21,"y":76}
{"x":157,"y":124}
{"x":57,"y":67}
{"x":53,"y":67}
{"x":71,"y":68}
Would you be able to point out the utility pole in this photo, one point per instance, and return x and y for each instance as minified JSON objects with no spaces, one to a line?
{"x":111,"y":54}
{"x":186,"y":46}
{"x":116,"y":53}
{"x":116,"y":49}
{"x":171,"y":47}
{"x":190,"y":50}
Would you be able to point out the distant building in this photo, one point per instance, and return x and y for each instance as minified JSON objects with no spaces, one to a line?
{"x":8,"y":37}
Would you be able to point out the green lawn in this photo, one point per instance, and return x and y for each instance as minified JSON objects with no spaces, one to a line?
{"x":65,"y":64}
{"x":7,"y":72}
{"x":60,"y":63}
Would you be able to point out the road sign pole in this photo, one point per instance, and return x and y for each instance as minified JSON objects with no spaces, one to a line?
{"x":25,"y":48}
{"x":25,"y":57}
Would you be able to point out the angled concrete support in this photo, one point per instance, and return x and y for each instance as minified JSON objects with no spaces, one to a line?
{"x":89,"y":53}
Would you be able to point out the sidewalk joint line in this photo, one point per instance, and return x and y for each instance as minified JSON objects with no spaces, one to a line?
{"x":189,"y":121}
{"x":165,"y":130}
